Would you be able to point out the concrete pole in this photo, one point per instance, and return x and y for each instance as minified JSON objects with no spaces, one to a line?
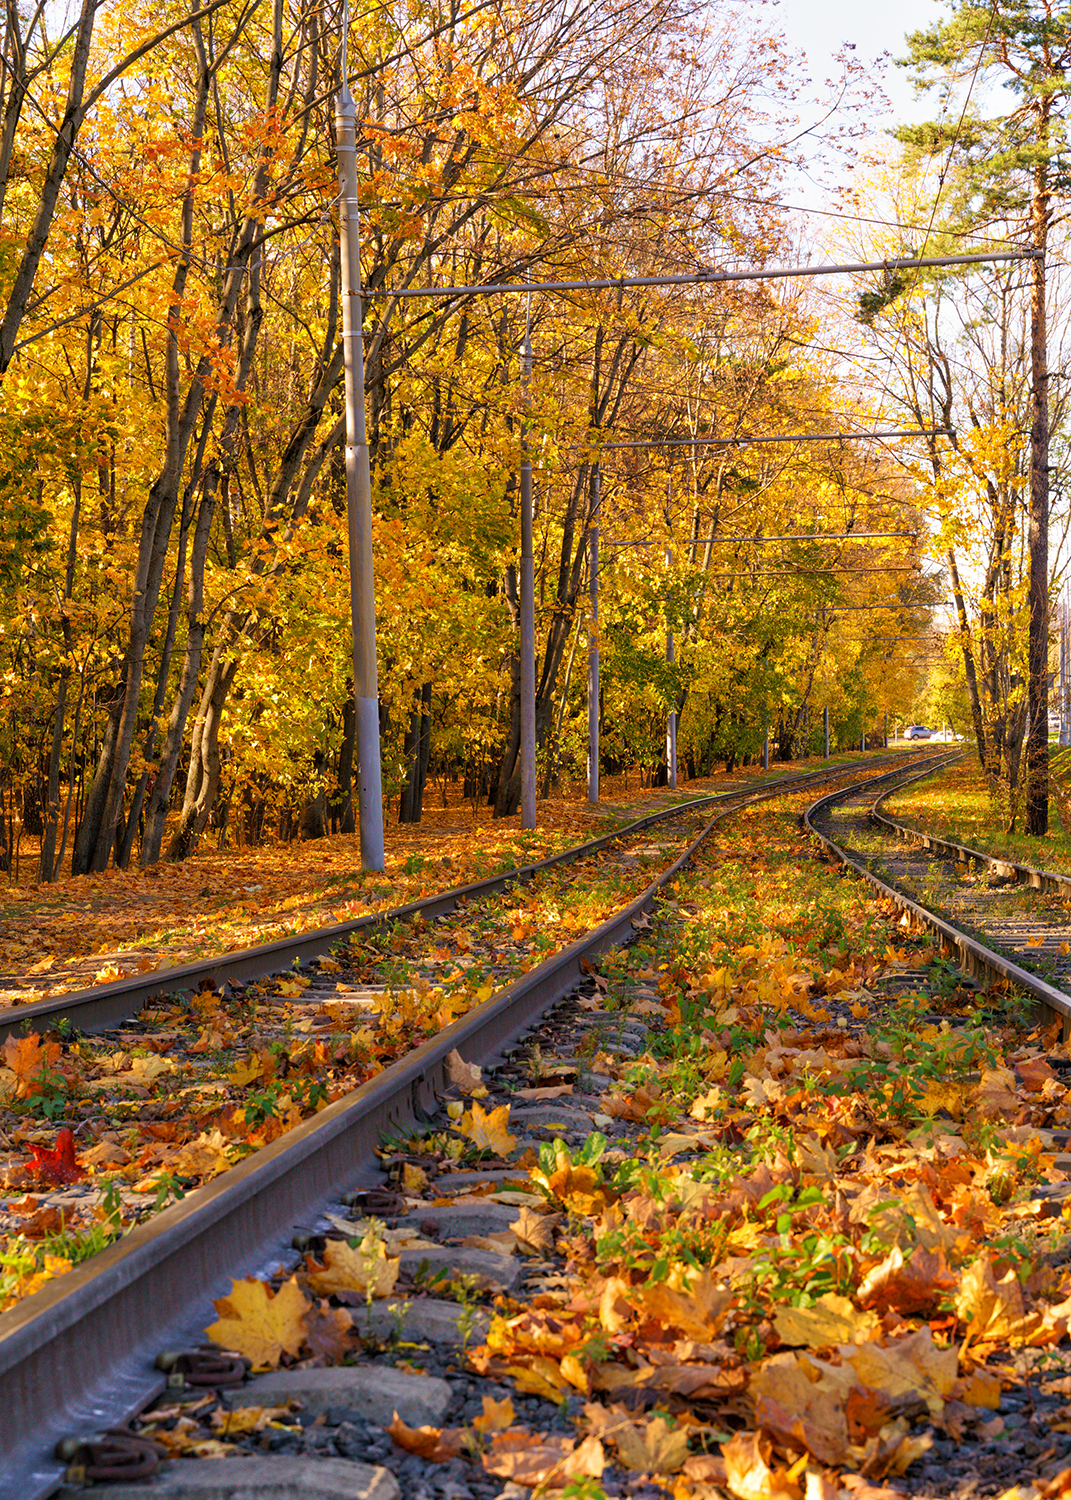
{"x":528,"y":727}
{"x":825,"y":725}
{"x":766,"y":747}
{"x":886,"y":729}
{"x":359,"y":497}
{"x":1065,"y":669}
{"x":593,"y":649}
{"x":671,"y":722}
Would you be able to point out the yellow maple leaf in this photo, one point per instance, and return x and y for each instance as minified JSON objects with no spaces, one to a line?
{"x":368,"y":1269}
{"x":28,"y":1058}
{"x":698,"y":1310}
{"x":653,"y":1449}
{"x":831,"y":1321}
{"x":488,"y":1130}
{"x":496,"y":1415}
{"x":243,"y":1073}
{"x":259,"y":1323}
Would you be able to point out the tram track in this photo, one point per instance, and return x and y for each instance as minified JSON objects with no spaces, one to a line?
{"x":148,"y":1289}
{"x":100,"y":1007}
{"x":984,"y":927}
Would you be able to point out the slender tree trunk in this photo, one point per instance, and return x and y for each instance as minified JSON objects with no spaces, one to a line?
{"x":62,"y":146}
{"x":968,"y":665}
{"x":344,"y":794}
{"x":202,"y":781}
{"x":416,"y":750}
{"x":1036,"y":818}
{"x":160,"y":797}
{"x":47,"y":862}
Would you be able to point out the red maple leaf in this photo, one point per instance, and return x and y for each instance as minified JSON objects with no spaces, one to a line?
{"x":57,"y":1165}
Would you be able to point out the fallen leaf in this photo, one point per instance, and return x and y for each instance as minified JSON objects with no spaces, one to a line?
{"x":908,"y":1286}
{"x":259,"y":1323}
{"x":438,"y":1445}
{"x":697,"y":1310}
{"x":748,"y":1473}
{"x":29,"y":1059}
{"x":57,"y":1165}
{"x":329,"y":1334}
{"x":488,"y":1131}
{"x":243,"y":1420}
{"x":550,"y":1461}
{"x":496,"y":1415}
{"x":466,"y":1077}
{"x":535,"y":1232}
{"x":995,"y":1309}
{"x":654,"y":1448}
{"x":367,"y":1269}
{"x":36,"y":1220}
{"x":832,"y":1320}
{"x":800,"y":1411}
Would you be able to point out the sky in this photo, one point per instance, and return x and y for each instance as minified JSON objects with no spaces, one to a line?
{"x":819,"y":28}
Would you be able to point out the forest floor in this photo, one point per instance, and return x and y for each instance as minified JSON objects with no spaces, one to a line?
{"x":785,"y":1217}
{"x":955,"y":805}
{"x":89,"y":929}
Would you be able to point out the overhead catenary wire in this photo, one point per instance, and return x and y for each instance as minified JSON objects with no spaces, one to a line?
{"x":798,"y":536}
{"x":789,"y":437}
{"x":703,"y":277}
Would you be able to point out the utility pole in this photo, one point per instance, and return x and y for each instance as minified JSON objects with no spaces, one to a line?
{"x":593,"y":644}
{"x":671,"y":722}
{"x":358,"y":488}
{"x":528,"y":725}
{"x":825,"y":725}
{"x":1037,"y":679}
{"x":766,"y":746}
{"x":1065,"y":669}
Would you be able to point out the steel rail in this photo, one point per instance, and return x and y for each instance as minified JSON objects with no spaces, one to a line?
{"x":79,"y":1355}
{"x":100,"y":1007}
{"x":1007,"y":869}
{"x":974,"y":957}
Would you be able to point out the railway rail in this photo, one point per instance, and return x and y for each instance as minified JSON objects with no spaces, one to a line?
{"x":78,"y":1356}
{"x":100,"y":1007}
{"x":983,"y":925}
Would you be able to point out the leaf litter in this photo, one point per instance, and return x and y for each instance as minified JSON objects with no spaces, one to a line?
{"x":815,"y":1248}
{"x":193,"y":1084}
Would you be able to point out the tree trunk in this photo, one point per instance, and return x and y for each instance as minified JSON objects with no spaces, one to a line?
{"x":202,"y":781}
{"x":417,"y":750}
{"x":343,"y":798}
{"x":1037,"y":750}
